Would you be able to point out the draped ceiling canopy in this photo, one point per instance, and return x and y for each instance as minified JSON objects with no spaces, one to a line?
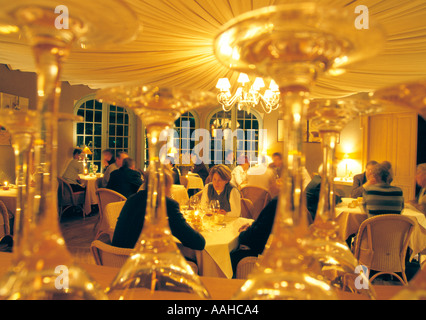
{"x":175,"y":47}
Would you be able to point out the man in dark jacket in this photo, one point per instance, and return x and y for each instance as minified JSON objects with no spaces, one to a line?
{"x":125,"y":180}
{"x":131,"y":220}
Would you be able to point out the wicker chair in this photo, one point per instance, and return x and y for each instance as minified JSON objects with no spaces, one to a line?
{"x":106,"y":196}
{"x":111,"y":214}
{"x":382,"y":243}
{"x":247,"y":208}
{"x":69,"y":199}
{"x":259,"y":196}
{"x":107,"y":255}
{"x":245,"y":266}
{"x":184,"y":181}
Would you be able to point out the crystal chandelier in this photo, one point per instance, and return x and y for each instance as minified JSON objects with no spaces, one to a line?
{"x":248,"y":95}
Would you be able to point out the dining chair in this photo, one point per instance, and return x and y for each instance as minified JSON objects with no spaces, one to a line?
{"x":105,"y":196}
{"x":382,"y":242}
{"x":111,"y":214}
{"x":245,"y":267}
{"x":247,"y":208}
{"x":110,"y":256}
{"x":69,"y":199}
{"x":259,"y":196}
{"x":107,"y":255}
{"x":184,"y":181}
{"x":5,"y":229}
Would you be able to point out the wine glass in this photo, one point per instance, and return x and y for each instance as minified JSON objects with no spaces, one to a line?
{"x":412,"y":96}
{"x":214,"y":207}
{"x":409,"y":95}
{"x":45,"y":269}
{"x":337,"y":262}
{"x":156,"y":267}
{"x":194,"y":202}
{"x":292,"y":44}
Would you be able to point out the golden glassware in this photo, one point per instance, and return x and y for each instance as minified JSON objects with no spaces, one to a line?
{"x":329,"y":117}
{"x":45,"y":269}
{"x":410,"y":95}
{"x":292,"y":44}
{"x":156,"y":268}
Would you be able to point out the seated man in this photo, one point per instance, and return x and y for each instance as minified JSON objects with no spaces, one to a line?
{"x":74,"y":168}
{"x":121,"y":155}
{"x":125,"y":180}
{"x":132,"y":217}
{"x":380,"y":197}
{"x":361,"y":180}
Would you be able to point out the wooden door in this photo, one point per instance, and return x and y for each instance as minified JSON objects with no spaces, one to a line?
{"x":393,"y":137}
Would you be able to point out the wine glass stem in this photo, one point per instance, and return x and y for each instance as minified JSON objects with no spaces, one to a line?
{"x":156,"y":212}
{"x":294,"y":100}
{"x":48,"y":59}
{"x":290,"y":218}
{"x":326,"y":204}
{"x":22,"y":144}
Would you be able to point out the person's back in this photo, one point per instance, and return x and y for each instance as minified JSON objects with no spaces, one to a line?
{"x":125,"y":180}
{"x":383,"y":198}
{"x":131,"y":220}
{"x":380,"y":197}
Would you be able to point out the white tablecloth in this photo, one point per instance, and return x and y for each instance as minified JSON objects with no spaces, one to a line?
{"x":215,"y":259}
{"x":350,"y":219}
{"x":91,"y":187}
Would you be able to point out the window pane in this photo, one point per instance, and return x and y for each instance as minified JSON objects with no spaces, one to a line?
{"x":120,"y":109}
{"x":112,"y":143}
{"x":120,"y":118}
{"x":119,"y":143}
{"x":98,"y":142}
{"x":80,"y":141}
{"x":98,"y":129}
{"x":89,"y":116}
{"x":112,"y":117}
{"x":120,"y":131}
{"x":89,"y":104}
{"x":126,"y":119}
{"x":112,"y":108}
{"x":98,"y":116}
{"x":80,"y":128}
{"x":98,"y":105}
{"x":126,"y":131}
{"x":112,"y":130}
{"x":89,"y":129}
{"x":88,"y":141}
{"x":80,"y":112}
{"x":126,"y":143}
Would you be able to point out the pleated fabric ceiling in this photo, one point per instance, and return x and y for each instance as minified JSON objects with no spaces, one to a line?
{"x":175,"y":47}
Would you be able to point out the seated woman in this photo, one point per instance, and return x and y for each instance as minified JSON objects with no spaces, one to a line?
{"x":221,"y":189}
{"x":131,"y":220}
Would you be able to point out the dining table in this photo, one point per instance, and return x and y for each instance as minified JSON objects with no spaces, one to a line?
{"x":91,"y":182}
{"x":350,"y":214}
{"x":221,"y":239}
{"x":220,"y":289}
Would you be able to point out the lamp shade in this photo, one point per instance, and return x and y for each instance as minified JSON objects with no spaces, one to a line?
{"x":223,"y":84}
{"x":86,"y":150}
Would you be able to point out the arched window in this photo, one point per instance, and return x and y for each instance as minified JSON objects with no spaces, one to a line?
{"x":184,"y":127}
{"x":104,"y":127}
{"x":245,"y":131}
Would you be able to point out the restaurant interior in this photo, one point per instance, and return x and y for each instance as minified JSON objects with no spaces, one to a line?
{"x":299,"y":99}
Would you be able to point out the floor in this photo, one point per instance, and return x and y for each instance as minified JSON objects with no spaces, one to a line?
{"x":79,"y":233}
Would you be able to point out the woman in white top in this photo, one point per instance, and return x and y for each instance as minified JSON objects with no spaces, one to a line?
{"x":221,"y":189}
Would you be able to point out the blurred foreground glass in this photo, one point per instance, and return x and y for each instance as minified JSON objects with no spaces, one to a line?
{"x":409,"y":95}
{"x":338,"y":264}
{"x":156,"y":269}
{"x":292,"y":44}
{"x":45,"y":269}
